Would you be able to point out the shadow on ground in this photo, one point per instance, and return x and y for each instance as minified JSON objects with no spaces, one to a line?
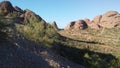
{"x":86,"y":57}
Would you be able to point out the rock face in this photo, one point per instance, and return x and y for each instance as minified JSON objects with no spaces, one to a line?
{"x":70,"y":25}
{"x":6,"y":10}
{"x":97,"y":19}
{"x":76,"y":25}
{"x":30,"y":16}
{"x":55,"y":26}
{"x":110,"y":19}
{"x":92,"y":24}
{"x":18,"y":9}
{"x":6,"y":7}
{"x":80,"y":24}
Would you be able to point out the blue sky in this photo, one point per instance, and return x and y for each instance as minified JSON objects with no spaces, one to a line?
{"x":64,"y":11}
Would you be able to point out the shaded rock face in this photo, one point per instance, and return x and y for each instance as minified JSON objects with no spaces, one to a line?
{"x":6,"y":7}
{"x":110,"y":19}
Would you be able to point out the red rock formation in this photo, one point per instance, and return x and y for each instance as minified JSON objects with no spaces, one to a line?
{"x":55,"y":26}
{"x":70,"y":25}
{"x":110,"y":19}
{"x":80,"y":24}
{"x":18,"y":9}
{"x":76,"y":25}
{"x":91,"y":24}
{"x":6,"y":7}
{"x":97,"y":19}
{"x":29,"y":15}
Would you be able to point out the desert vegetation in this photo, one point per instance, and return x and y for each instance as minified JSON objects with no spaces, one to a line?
{"x":30,"y":39}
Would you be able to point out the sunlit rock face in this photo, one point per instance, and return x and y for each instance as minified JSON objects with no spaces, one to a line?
{"x":110,"y":19}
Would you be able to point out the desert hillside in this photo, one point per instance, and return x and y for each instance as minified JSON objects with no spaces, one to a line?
{"x":28,"y":41}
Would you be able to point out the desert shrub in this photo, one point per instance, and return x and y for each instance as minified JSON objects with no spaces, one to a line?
{"x":3,"y":34}
{"x":89,"y":58}
{"x":38,"y":32}
{"x":14,"y":15}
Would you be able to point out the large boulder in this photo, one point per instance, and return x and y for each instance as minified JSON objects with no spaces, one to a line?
{"x":70,"y":26}
{"x":110,"y":19}
{"x":6,"y":7}
{"x":80,"y":24}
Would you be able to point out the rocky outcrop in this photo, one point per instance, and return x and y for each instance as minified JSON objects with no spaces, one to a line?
{"x":80,"y":24}
{"x":76,"y":25}
{"x":6,"y":7}
{"x":70,"y":25}
{"x":27,"y":16}
{"x":110,"y":19}
{"x":55,"y":26}
{"x":97,"y":19}
{"x":30,"y":16}
{"x":91,"y":24}
{"x":18,"y":9}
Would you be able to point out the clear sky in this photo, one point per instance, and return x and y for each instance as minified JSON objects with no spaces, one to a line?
{"x":64,"y":11}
